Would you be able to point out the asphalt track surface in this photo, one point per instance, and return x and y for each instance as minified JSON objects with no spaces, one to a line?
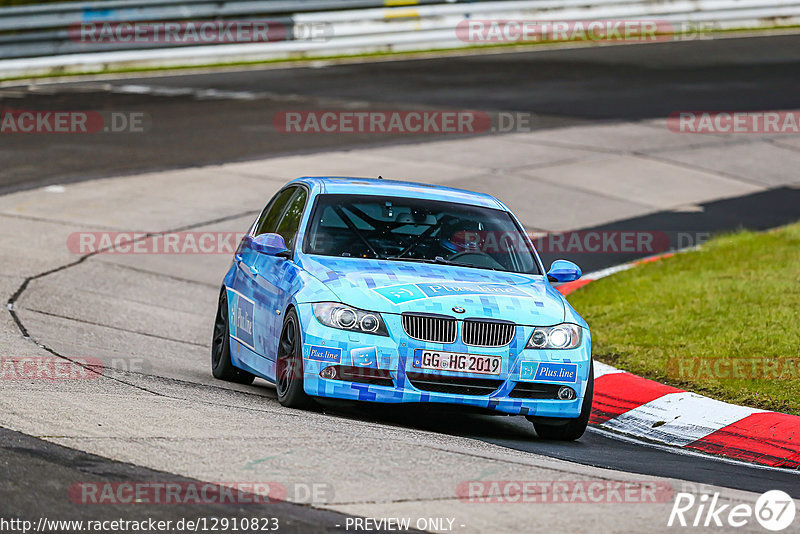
{"x":596,"y":448}
{"x":38,"y":474}
{"x":561,"y":87}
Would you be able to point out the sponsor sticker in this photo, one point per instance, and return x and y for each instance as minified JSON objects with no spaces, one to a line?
{"x":364,"y":357}
{"x":241,"y":311}
{"x":401,"y":293}
{"x":325,"y":354}
{"x":548,"y":372}
{"x":408,"y":292}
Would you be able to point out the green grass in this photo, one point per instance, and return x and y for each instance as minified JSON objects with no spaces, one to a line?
{"x":736,"y":297}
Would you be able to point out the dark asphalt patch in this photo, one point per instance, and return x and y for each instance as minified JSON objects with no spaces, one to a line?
{"x":38,"y":475}
{"x":756,"y":211}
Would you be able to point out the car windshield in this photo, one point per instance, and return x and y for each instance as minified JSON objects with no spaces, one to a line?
{"x":403,"y":229}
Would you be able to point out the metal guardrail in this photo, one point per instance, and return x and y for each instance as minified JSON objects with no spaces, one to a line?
{"x":40,"y":30}
{"x":40,"y":39}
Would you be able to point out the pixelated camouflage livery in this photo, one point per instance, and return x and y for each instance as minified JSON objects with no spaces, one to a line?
{"x":259,"y":302}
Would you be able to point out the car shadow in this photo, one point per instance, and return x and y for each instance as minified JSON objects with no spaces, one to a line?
{"x":442,"y":419}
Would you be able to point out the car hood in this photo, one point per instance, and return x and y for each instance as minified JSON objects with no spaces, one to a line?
{"x":397,"y":287}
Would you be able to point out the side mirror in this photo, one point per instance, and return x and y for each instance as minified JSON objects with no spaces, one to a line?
{"x":271,"y":244}
{"x":563,"y":271}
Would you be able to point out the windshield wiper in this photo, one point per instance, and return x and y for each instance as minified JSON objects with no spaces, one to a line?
{"x":400,"y":258}
{"x":441,"y":261}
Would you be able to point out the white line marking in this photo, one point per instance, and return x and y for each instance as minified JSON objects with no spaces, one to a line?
{"x":198,"y":93}
{"x":601,"y":369}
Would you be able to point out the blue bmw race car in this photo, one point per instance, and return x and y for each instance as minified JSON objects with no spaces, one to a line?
{"x":386,"y":291}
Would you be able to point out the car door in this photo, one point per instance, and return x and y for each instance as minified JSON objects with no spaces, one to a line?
{"x":245,"y":306}
{"x":277,"y":277}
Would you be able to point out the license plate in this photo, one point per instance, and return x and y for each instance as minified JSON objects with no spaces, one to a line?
{"x":436,"y":360}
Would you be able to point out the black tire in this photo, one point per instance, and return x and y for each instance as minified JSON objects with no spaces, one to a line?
{"x":221,"y":365}
{"x":574,"y":428}
{"x":289,"y":365}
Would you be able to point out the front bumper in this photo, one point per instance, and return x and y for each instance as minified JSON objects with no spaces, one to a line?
{"x":324,"y":346}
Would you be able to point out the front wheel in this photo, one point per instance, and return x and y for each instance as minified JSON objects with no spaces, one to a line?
{"x":221,"y":365}
{"x":289,"y":365}
{"x":573,"y":428}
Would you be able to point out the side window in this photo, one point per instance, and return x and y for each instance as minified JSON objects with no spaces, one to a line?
{"x":290,"y":223}
{"x":268,"y":222}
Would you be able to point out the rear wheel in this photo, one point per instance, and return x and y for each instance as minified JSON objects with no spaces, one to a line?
{"x":221,"y":365}
{"x":289,"y":365}
{"x":573,"y":428}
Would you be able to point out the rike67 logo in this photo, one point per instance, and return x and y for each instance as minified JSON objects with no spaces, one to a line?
{"x":774,"y":510}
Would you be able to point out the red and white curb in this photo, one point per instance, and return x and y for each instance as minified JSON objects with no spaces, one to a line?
{"x":656,"y":412}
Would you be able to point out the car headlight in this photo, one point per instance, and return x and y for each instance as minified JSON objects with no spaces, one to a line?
{"x":344,"y":317}
{"x":562,"y":336}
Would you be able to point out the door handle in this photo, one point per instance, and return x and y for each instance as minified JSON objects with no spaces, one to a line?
{"x":253,"y":270}
{"x":237,"y":257}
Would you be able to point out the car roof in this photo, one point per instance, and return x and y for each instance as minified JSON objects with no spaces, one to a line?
{"x":374,"y":186}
